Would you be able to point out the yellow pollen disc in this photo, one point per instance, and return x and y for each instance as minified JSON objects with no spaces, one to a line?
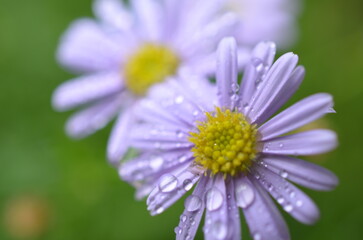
{"x":225,"y":142}
{"x":150,"y":64}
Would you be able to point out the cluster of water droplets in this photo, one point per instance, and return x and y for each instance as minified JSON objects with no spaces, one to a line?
{"x":171,"y":187}
{"x":285,"y":193}
{"x":147,"y":166}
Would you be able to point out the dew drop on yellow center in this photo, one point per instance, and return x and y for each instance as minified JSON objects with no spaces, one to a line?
{"x":225,"y":142}
{"x":149,"y":65}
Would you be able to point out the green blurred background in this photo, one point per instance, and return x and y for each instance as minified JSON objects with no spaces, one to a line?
{"x":52,"y":187}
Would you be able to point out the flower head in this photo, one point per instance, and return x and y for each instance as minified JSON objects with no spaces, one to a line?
{"x":128,"y":50}
{"x":219,"y":138}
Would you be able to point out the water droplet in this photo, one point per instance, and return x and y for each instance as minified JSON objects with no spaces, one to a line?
{"x":235,"y":87}
{"x":280,"y":200}
{"x":299,"y":203}
{"x":178,"y":230}
{"x":281,"y":145}
{"x":292,"y":194}
{"x":258,"y":64}
{"x":284,"y":174}
{"x":244,"y":195}
{"x":183,"y":218}
{"x":179,"y":134}
{"x":234,"y":98}
{"x":168,"y":183}
{"x":219,"y":230}
{"x":159,"y":209}
{"x":214,"y":199}
{"x":193,"y":203}
{"x":187,"y":184}
{"x":182,"y":159}
{"x":288,"y":208}
{"x":156,"y":163}
{"x":195,"y":113}
{"x":179,"y":99}
{"x":257,"y":236}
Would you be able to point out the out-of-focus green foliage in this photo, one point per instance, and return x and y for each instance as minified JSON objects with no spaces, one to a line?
{"x":78,"y":195}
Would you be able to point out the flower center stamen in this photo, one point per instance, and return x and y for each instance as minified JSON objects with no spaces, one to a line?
{"x":150,"y":64}
{"x":225,"y":142}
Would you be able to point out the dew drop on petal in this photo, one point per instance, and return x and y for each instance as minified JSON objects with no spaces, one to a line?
{"x":156,"y":163}
{"x":284,"y":174}
{"x":178,"y":230}
{"x":179,"y":99}
{"x":187,"y":184}
{"x":244,"y":195}
{"x":214,"y":199}
{"x":168,"y":183}
{"x":193,"y":203}
{"x":288,"y":208}
{"x":179,"y":134}
{"x":299,"y":203}
{"x":280,"y":200}
{"x":219,"y":230}
{"x":159,"y":209}
{"x":257,"y":236}
{"x":183,"y":218}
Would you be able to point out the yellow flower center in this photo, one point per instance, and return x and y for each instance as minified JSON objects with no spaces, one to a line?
{"x":150,"y":64}
{"x":225,"y":142}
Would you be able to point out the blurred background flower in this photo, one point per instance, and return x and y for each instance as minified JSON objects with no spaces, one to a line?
{"x":85,"y":198}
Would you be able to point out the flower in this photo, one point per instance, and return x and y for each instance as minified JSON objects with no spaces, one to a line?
{"x":126,"y":52}
{"x":219,"y":138}
{"x":272,"y":20}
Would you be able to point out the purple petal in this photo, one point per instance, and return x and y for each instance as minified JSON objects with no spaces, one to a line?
{"x":150,"y":111}
{"x":263,"y":219}
{"x":118,"y":142}
{"x":302,"y":172}
{"x":216,"y":218}
{"x":86,"y":89}
{"x":234,"y":221}
{"x":113,"y":13}
{"x":286,"y":93}
{"x":271,"y":86}
{"x":151,"y":165}
{"x":227,"y":72}
{"x":204,"y":40}
{"x":194,"y":208}
{"x":171,"y":187}
{"x":293,"y":200}
{"x":200,"y":13}
{"x":262,"y":57}
{"x":85,"y":47}
{"x":149,"y":15}
{"x":93,"y":118}
{"x":304,"y":143}
{"x":157,"y":132}
{"x":299,"y":114}
{"x":265,"y":51}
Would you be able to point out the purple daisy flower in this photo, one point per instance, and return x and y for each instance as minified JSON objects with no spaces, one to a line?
{"x":219,"y":138}
{"x":128,"y":50}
